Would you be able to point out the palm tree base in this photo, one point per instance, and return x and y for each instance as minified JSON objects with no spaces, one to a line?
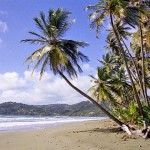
{"x":144,"y":133}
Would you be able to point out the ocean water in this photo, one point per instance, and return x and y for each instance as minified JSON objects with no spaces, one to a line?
{"x":15,"y":123}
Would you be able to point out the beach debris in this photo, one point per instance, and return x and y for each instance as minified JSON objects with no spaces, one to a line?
{"x":145,"y":132}
{"x":126,"y":129}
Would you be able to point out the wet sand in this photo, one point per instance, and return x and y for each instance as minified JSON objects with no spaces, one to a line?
{"x":89,"y":135}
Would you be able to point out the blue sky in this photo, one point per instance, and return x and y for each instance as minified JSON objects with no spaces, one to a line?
{"x":16,"y":19}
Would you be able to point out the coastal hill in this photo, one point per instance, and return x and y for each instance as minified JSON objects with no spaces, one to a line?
{"x":84,"y":108}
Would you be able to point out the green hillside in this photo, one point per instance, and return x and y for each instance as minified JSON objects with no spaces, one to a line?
{"x":80,"y":109}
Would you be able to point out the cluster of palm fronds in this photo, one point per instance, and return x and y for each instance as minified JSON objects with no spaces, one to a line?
{"x":57,"y":53}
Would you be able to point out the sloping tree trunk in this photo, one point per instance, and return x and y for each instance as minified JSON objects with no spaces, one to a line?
{"x":127,"y":68}
{"x":92,"y":100}
{"x":136,"y":69}
{"x":143,"y":66}
{"x":125,"y":127}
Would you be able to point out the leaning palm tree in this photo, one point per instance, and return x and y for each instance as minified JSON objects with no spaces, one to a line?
{"x":59,"y":54}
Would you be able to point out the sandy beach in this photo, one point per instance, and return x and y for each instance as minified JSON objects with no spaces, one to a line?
{"x":88,"y":135}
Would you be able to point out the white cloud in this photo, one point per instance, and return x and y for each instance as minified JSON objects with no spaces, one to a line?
{"x":3,"y":12}
{"x":30,"y":90}
{"x":3,"y":26}
{"x":11,"y":81}
{"x":1,"y":40}
{"x":88,"y":70}
{"x":87,"y":67}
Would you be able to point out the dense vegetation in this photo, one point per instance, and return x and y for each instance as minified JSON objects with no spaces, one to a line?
{"x":79,"y":109}
{"x":124,"y":74}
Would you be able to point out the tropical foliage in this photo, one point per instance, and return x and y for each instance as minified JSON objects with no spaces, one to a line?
{"x":131,"y":114}
{"x":57,"y":53}
{"x":124,"y":81}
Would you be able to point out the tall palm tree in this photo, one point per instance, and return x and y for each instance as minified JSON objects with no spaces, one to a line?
{"x":143,"y":39}
{"x":124,"y":33}
{"x":116,"y":10}
{"x":61,"y":55}
{"x":139,"y":47}
{"x":144,"y":18}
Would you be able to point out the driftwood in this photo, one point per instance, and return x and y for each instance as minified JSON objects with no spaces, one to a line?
{"x":145,"y":132}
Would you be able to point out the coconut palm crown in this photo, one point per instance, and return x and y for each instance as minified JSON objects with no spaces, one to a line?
{"x":60,"y":54}
{"x":119,"y":10}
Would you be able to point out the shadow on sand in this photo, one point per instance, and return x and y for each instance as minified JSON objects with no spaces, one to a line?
{"x":104,"y":130}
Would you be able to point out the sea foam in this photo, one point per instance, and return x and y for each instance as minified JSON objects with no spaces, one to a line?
{"x":14,"y":123}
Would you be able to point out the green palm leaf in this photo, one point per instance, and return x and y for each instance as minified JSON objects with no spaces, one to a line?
{"x":59,"y":54}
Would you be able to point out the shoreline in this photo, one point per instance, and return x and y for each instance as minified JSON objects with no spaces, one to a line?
{"x":49,"y":126}
{"x":28,"y":123}
{"x":92,"y":135}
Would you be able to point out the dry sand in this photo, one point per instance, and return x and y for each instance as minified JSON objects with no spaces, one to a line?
{"x":91,"y":135}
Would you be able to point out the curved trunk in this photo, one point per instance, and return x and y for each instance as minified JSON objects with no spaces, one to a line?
{"x":143,"y":66}
{"x":91,"y":99}
{"x":137,"y":72}
{"x":127,"y":68}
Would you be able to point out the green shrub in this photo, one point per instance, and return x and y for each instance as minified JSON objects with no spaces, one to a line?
{"x":132,"y":115}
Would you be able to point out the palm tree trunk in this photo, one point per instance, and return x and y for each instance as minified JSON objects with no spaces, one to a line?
{"x":91,"y":99}
{"x":135,"y":66}
{"x":127,"y":68}
{"x":143,"y":66}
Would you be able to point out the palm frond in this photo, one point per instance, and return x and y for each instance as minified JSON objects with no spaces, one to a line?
{"x":38,"y":63}
{"x":58,"y":54}
{"x":43,"y":66}
{"x":34,"y":41}
{"x":41,"y":27}
{"x":38,"y":35}
{"x":98,"y":6}
{"x":98,"y":22}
